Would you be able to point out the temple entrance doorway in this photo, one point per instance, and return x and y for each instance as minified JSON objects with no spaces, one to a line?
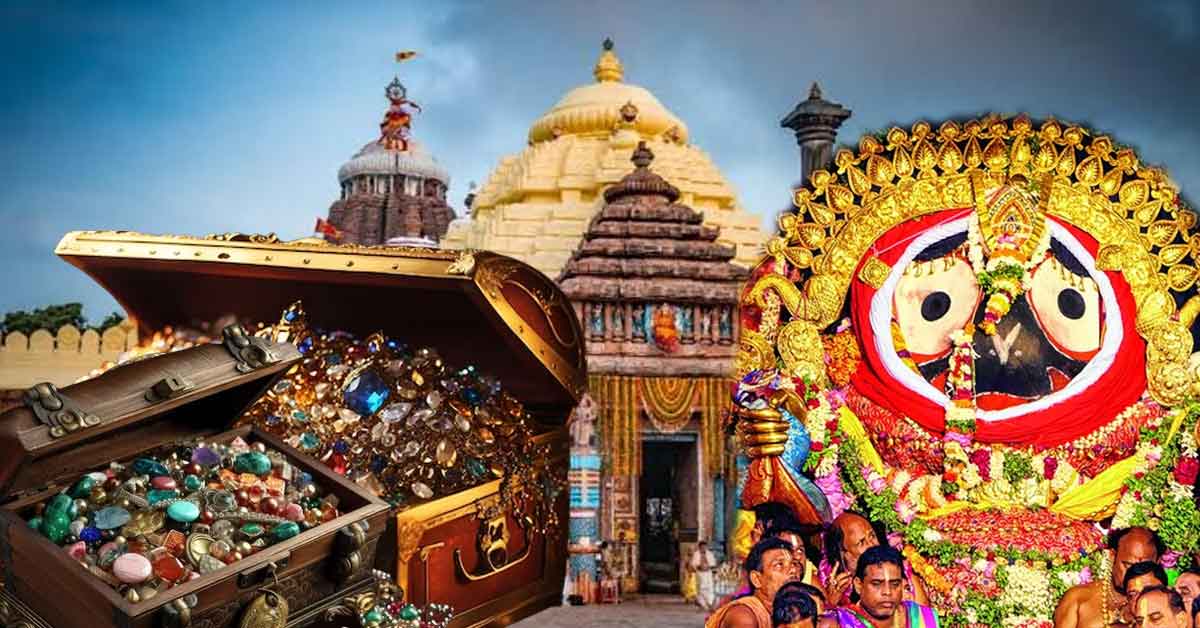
{"x":669,"y":495}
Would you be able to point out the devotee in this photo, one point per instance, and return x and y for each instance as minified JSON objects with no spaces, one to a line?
{"x":879,"y":583}
{"x":1195,"y":611}
{"x":1159,"y":607}
{"x":768,"y":516}
{"x":1098,"y":604}
{"x":702,"y":563}
{"x":1188,"y":585}
{"x":824,"y":620}
{"x":794,"y":608}
{"x":791,"y":532}
{"x":846,"y":539}
{"x":1142,"y":576}
{"x":770,"y":566}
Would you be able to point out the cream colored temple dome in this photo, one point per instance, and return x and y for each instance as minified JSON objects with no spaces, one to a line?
{"x":536,"y":204}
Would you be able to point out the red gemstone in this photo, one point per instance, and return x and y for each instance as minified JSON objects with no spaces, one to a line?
{"x":207,"y":517}
{"x":243,"y":498}
{"x":337,"y":462}
{"x":269,"y":506}
{"x":168,"y":568}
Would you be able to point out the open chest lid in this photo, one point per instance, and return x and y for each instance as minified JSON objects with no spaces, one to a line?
{"x":61,"y":433}
{"x":475,"y":308}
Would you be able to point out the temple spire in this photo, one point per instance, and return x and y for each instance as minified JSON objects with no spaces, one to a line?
{"x":608,"y":68}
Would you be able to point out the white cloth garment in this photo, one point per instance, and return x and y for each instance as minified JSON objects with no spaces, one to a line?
{"x":704,"y":564}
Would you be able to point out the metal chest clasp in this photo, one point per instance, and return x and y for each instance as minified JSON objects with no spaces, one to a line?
{"x":251,"y":352}
{"x":56,"y":411}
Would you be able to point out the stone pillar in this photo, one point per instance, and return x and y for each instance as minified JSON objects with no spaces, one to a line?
{"x":815,"y":122}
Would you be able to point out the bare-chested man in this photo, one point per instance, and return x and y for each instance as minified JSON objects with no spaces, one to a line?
{"x":1094,"y":604}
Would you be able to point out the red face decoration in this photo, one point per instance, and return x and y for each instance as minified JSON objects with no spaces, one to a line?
{"x":1063,"y":360}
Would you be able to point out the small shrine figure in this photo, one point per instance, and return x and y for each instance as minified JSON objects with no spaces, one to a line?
{"x":666,"y":330}
{"x":582,"y":423}
{"x":397,"y":122}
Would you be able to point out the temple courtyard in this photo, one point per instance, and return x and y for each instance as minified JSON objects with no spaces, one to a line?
{"x":658,"y":611}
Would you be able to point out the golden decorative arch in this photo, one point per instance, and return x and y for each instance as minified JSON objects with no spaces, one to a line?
{"x":1086,"y":180}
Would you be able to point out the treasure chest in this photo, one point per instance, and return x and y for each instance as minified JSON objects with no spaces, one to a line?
{"x":473,"y":549}
{"x":120,"y":490}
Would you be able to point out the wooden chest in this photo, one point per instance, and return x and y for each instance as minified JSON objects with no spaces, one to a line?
{"x":467,"y":549}
{"x":180,"y":398}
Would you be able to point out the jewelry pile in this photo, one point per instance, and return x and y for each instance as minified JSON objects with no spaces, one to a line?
{"x":405,"y":424}
{"x":180,"y":512}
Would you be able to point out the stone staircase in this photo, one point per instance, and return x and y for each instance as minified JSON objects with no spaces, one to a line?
{"x":661,"y":578}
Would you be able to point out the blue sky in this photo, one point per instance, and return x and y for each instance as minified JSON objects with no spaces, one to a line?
{"x":180,"y":117}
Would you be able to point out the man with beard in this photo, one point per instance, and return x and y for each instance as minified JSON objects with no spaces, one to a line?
{"x":845,"y":540}
{"x":1099,"y":604}
{"x":879,"y":583}
{"x":770,"y":566}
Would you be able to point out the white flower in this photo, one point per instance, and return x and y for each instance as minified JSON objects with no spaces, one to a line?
{"x":1028,"y":591}
{"x":931,"y":535}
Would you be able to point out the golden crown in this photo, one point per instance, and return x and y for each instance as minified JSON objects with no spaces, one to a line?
{"x":1086,"y":180}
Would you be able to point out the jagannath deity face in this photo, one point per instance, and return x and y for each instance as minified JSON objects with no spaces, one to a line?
{"x":1051,"y":333}
{"x":396,"y":91}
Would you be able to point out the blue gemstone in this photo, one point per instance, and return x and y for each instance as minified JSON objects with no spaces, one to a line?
{"x":300,"y":415}
{"x":289,"y":315}
{"x":273,"y":420}
{"x":393,"y":345}
{"x":90,"y":535}
{"x":305,"y":345}
{"x":308,"y":440}
{"x":333,"y":359}
{"x":340,"y":447}
{"x":471,"y":396}
{"x":147,"y":466}
{"x":366,"y":393}
{"x":111,"y":518}
{"x":378,"y":463}
{"x":304,"y":477}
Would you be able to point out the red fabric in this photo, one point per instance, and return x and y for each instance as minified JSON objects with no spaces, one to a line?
{"x":1115,"y":390}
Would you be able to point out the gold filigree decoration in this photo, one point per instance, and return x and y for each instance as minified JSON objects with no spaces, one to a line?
{"x":875,"y":272}
{"x":1086,"y":180}
{"x":800,"y":347}
{"x":464,"y":264}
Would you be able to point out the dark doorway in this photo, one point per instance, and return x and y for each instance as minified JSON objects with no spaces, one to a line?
{"x":664,"y":470}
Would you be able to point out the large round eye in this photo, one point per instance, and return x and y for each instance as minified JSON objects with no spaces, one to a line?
{"x":1068,"y":309}
{"x":933,"y":299}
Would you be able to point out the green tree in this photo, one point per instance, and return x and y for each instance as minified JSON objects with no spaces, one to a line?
{"x":112,"y":320}
{"x":50,"y":317}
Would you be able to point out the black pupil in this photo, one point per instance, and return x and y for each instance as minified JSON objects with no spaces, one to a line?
{"x":936,"y":304}
{"x":1070,"y":303}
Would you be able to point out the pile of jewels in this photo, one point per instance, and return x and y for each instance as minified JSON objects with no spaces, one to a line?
{"x":402,"y":423}
{"x":181,"y":512}
{"x":405,"y":424}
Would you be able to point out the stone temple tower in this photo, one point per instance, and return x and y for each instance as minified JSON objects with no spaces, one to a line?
{"x":392,"y":190}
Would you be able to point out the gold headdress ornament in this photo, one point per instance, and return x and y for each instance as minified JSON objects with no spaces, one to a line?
{"x":1081,"y":179}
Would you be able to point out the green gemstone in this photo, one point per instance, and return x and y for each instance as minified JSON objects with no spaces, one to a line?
{"x":192,"y":483}
{"x":308,"y":441}
{"x":157,"y":495}
{"x":409,"y":613}
{"x":56,"y":527}
{"x":35,"y":523}
{"x":254,"y":462}
{"x":83,"y":488}
{"x":285,"y":531}
{"x":252,"y":530}
{"x":61,"y":505}
{"x":373,"y":616}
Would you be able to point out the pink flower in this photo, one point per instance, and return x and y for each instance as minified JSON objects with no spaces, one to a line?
{"x":905,"y":510}
{"x":1186,"y":470}
{"x":1085,"y":575}
{"x":1169,"y":559}
{"x":874,"y":480}
{"x":1049,"y":466}
{"x":982,"y":459}
{"x":961,"y":439}
{"x":1153,"y":456}
{"x":831,"y":485}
